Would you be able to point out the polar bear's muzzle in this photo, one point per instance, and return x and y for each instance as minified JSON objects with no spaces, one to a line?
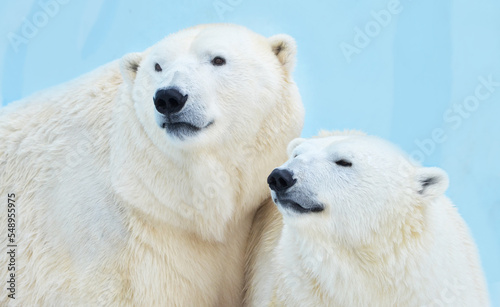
{"x":287,"y":195}
{"x":169,"y":101}
{"x":175,"y":116}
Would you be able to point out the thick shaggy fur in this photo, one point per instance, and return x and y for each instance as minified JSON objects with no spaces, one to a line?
{"x":114,"y":211}
{"x":387,"y":235}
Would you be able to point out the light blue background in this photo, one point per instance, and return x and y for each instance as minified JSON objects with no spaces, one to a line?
{"x":425,"y":59}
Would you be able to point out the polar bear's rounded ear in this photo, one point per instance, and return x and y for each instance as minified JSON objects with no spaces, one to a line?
{"x":293,"y":144}
{"x":432,"y":182}
{"x":129,"y":64}
{"x":285,"y":48}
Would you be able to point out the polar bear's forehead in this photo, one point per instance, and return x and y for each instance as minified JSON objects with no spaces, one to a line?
{"x":375,"y":149}
{"x":213,"y":35}
{"x":224,"y":38}
{"x":353,"y":145}
{"x":319,"y":144}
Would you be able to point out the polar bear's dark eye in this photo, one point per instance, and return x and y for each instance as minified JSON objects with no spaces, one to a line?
{"x":157,"y":67}
{"x":218,"y":61}
{"x":343,"y":162}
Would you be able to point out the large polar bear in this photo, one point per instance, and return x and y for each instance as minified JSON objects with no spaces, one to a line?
{"x":137,"y":183}
{"x":362,"y":226}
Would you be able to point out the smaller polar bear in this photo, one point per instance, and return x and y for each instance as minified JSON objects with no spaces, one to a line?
{"x":364,"y":226}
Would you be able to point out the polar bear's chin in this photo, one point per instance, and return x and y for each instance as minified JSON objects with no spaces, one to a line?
{"x":183,"y":130}
{"x":290,"y":205}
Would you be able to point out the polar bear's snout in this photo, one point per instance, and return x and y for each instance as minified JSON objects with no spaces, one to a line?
{"x":280,"y":180}
{"x":179,"y":117}
{"x":169,"y":101}
{"x":297,"y":200}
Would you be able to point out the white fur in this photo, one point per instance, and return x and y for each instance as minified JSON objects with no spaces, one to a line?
{"x":387,"y":236}
{"x":112,"y":210}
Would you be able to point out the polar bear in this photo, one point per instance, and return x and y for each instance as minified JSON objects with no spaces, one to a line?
{"x":362,"y":226}
{"x":136,"y":185}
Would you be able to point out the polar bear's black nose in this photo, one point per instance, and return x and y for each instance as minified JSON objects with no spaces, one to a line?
{"x":169,"y":101}
{"x":280,"y":180}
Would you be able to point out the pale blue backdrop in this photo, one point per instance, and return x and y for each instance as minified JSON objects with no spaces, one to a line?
{"x":423,"y":74}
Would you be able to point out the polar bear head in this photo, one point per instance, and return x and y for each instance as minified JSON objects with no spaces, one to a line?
{"x":209,"y":84}
{"x":352,"y":188}
{"x":201,"y":118}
